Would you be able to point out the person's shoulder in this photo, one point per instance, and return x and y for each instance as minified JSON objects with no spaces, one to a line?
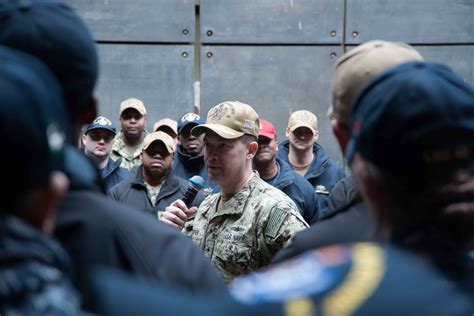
{"x":270,"y":195}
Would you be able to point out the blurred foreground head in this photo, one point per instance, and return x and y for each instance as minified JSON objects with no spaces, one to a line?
{"x":412,"y":149}
{"x":51,"y":31}
{"x":33,"y":125}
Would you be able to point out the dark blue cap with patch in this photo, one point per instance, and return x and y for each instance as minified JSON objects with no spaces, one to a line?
{"x":33,"y":122}
{"x":55,"y":34}
{"x":102,"y":123}
{"x":189,"y":118}
{"x":414,"y":115}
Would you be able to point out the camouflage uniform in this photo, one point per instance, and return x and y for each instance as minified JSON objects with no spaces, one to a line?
{"x":245,"y":232}
{"x":120,"y":151}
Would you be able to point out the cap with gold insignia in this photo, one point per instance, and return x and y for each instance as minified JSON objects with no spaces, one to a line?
{"x":164,"y":138}
{"x":230,"y":120}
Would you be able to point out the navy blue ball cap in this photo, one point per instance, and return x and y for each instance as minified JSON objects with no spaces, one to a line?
{"x":102,"y":123}
{"x":55,"y":34}
{"x":417,"y":114}
{"x":33,"y":122}
{"x":189,"y":118}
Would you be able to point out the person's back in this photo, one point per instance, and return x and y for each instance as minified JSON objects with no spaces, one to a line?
{"x":34,"y":269}
{"x":348,"y":218}
{"x":93,"y":228}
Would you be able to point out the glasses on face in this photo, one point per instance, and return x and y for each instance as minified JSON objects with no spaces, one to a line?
{"x":97,"y":137}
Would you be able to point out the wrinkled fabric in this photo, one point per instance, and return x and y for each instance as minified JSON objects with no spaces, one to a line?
{"x":247,"y":230}
{"x":34,"y":276}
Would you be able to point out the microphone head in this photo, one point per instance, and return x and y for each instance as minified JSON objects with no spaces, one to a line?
{"x":197,"y":182}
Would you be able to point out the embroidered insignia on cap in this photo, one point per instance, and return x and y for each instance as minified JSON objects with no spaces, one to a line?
{"x":189,"y":117}
{"x":218,"y":112}
{"x":249,"y":125}
{"x":102,"y":121}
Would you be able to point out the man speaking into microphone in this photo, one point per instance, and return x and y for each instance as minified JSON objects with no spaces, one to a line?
{"x":242,"y":227}
{"x":152,"y":186}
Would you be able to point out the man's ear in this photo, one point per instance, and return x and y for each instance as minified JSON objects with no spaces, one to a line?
{"x":44,"y":200}
{"x":342,"y":134}
{"x":287,"y":132}
{"x":252,"y":150}
{"x":316,"y":136}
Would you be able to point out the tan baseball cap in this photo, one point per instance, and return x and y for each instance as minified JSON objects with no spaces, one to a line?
{"x":355,"y":68}
{"x":172,"y":124}
{"x":166,"y":139}
{"x":303,"y":118}
{"x":230,"y":120}
{"x":133,"y":103}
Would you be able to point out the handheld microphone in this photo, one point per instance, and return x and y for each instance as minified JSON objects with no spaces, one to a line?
{"x":196,"y":183}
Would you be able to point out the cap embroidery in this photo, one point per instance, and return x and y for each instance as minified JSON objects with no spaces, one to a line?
{"x":218,"y":112}
{"x":190,"y":117}
{"x":249,"y":125}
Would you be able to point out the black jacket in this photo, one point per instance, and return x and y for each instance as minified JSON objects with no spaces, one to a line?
{"x":34,"y":272}
{"x":95,"y":230}
{"x":113,"y":173}
{"x":348,"y":220}
{"x":133,"y":192}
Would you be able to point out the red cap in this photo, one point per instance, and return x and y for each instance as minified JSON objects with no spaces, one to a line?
{"x":266,"y":129}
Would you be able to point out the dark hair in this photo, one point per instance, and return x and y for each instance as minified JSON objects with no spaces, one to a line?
{"x":247,"y":139}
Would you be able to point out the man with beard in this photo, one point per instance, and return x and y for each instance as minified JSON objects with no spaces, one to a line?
{"x":278,"y":173}
{"x":129,"y":142}
{"x":153,"y":187}
{"x":189,"y":153}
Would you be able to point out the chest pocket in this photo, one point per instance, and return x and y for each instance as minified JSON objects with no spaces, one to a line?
{"x":234,"y":253}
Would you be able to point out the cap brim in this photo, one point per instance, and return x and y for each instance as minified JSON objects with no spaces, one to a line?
{"x":100,"y":127}
{"x":293,"y":128}
{"x":186,"y":124}
{"x":221,"y":130}
{"x":168,"y":149}
{"x":267,"y":135}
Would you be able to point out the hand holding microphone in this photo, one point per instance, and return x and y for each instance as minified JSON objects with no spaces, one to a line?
{"x":179,"y":211}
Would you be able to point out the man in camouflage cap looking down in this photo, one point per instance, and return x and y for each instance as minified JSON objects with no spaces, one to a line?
{"x":242,"y":227}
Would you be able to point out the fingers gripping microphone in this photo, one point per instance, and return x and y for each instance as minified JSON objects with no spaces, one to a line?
{"x":196,"y":183}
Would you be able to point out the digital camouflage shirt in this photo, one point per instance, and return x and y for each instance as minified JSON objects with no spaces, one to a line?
{"x":120,"y":151}
{"x":244,"y":233}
